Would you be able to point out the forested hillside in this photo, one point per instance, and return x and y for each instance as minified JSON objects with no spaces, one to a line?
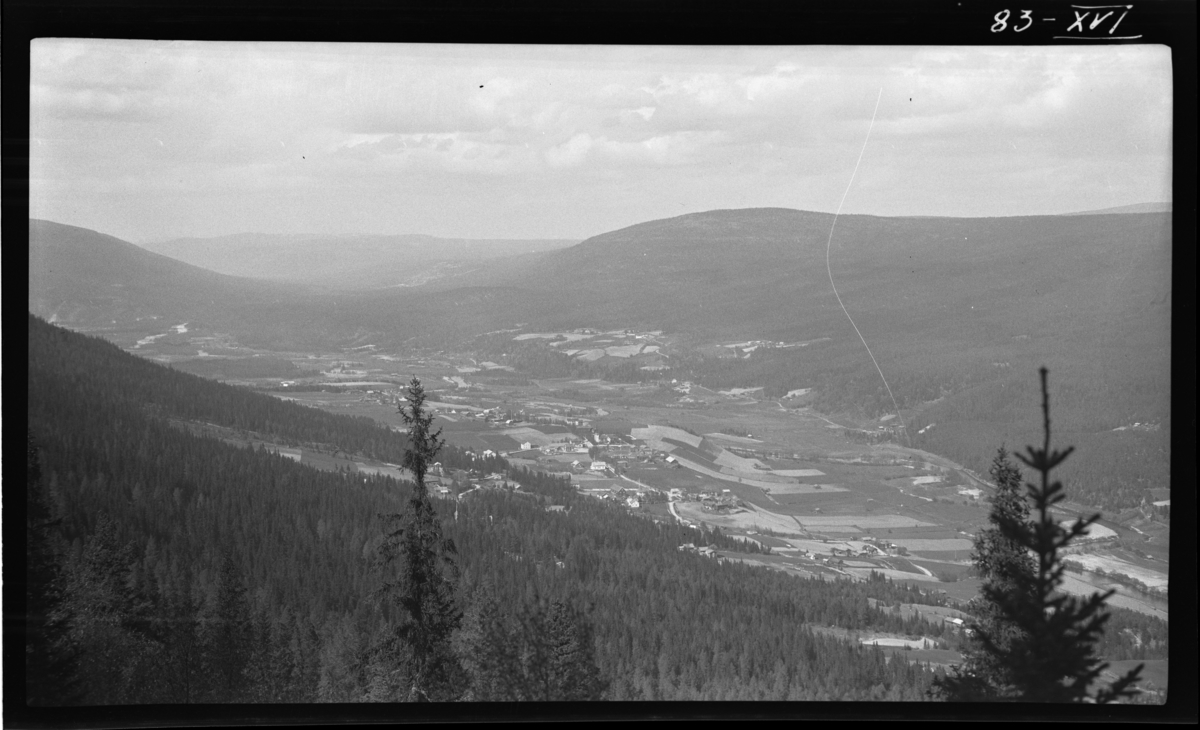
{"x":208,"y":572}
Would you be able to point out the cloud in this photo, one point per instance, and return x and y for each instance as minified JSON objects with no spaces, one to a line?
{"x":959,"y":128}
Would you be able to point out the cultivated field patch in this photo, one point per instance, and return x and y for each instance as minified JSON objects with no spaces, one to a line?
{"x":525,"y":433}
{"x":798,"y":472}
{"x":623,"y":350}
{"x":1094,"y":532}
{"x":864,"y":521}
{"x":893,"y":574}
{"x":750,"y":520}
{"x":590,"y":355}
{"x":658,"y":433}
{"x":394,"y":472}
{"x":785,"y":489}
{"x":1076,"y":587}
{"x":922,"y":545}
{"x":1109,"y":564}
{"x":739,"y":463}
{"x":892,"y":641}
{"x":732,"y":438}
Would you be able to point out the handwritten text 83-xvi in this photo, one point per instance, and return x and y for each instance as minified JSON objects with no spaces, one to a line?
{"x":1088,"y":21}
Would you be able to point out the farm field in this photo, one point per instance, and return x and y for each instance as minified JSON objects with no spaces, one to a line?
{"x":1151,"y":578}
{"x":895,"y":641}
{"x":920,"y":545}
{"x":750,"y":520}
{"x":818,"y":483}
{"x":892,"y":573}
{"x":861,"y":521}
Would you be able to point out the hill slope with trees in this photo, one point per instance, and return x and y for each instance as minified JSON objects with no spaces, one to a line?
{"x":212,"y":573}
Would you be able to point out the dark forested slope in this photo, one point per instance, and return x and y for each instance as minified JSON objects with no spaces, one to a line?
{"x":214,"y":573}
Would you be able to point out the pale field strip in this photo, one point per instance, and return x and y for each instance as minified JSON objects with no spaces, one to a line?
{"x":1094,"y":532}
{"x":740,"y":463}
{"x":590,"y":355}
{"x":799,"y":472}
{"x":865,"y":521}
{"x":623,"y":350}
{"x":924,"y":545}
{"x":1151,"y":578}
{"x":739,"y":391}
{"x":360,"y":383}
{"x":735,"y":439}
{"x":657,"y":433}
{"x":792,"y":488}
{"x":925,"y":480}
{"x":892,"y":641}
{"x":750,"y":520}
{"x":796,"y":488}
{"x":891,"y":573}
{"x":526,"y":433}
{"x":448,"y":406}
{"x":391,"y":471}
{"x":840,"y":528}
{"x":1076,"y":587}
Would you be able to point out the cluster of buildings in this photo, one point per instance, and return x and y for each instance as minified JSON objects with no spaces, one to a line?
{"x":708,"y":551}
{"x":442,"y":482}
{"x":723,"y":502}
{"x":872,"y":547}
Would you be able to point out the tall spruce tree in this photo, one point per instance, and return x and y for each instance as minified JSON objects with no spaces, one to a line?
{"x":419,"y":575}
{"x":1048,"y":654}
{"x":230,"y":633}
{"x":1005,"y":565}
{"x":572,"y":656}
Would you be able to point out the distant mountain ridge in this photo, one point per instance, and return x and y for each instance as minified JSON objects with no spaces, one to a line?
{"x":80,"y":276}
{"x":747,"y":273}
{"x":1123,"y":209}
{"x":346,"y":262}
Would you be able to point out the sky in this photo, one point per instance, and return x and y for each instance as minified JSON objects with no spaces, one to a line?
{"x":152,"y":140}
